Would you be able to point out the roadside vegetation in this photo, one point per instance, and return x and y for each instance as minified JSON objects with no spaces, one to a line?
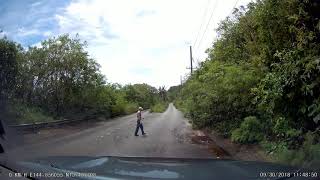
{"x":261,"y":81}
{"x":162,"y":103}
{"x":59,"y":80}
{"x":159,"y":107}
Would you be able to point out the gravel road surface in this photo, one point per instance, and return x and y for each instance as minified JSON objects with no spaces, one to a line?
{"x":168,"y":135}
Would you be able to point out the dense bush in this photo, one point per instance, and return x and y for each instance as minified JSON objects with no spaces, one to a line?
{"x":9,"y":55}
{"x":218,"y":95}
{"x":264,"y":63}
{"x":173,"y":92}
{"x":307,"y":155}
{"x":159,"y":107}
{"x":23,"y":114}
{"x":130,"y":108}
{"x":250,"y":131}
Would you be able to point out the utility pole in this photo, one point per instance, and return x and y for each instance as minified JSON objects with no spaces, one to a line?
{"x":180,"y":80}
{"x":191,"y":59}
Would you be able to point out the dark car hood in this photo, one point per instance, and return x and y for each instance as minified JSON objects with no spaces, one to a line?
{"x":149,"y":168}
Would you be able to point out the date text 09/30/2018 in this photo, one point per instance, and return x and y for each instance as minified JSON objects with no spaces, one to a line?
{"x":288,"y":174}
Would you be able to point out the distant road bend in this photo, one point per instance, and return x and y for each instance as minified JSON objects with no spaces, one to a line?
{"x":168,"y":135}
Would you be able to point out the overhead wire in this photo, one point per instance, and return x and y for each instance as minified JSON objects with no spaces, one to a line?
{"x":202,"y":22}
{"x":199,"y":44}
{"x":214,"y":8}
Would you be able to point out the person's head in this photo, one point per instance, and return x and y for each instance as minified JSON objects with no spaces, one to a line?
{"x":140,"y":108}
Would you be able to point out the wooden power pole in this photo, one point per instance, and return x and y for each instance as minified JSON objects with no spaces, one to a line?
{"x":191,"y":59}
{"x":191,"y":68}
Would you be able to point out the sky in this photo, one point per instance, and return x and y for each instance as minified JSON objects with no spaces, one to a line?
{"x":134,"y":41}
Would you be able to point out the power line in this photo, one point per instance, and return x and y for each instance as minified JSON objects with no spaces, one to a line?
{"x":215,"y":5}
{"x":203,"y":19}
{"x":235,"y":4}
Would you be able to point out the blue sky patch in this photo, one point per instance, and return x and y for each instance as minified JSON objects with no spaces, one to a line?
{"x":28,"y":21}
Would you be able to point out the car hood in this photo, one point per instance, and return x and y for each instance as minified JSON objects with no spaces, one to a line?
{"x":151,"y":168}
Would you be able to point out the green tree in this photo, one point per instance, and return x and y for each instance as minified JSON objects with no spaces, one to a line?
{"x":9,"y":55}
{"x":264,"y":64}
{"x":54,"y":75}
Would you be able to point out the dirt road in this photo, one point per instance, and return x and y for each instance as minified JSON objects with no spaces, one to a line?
{"x":168,"y":135}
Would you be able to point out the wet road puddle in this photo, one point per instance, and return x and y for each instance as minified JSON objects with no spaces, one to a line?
{"x":199,"y":137}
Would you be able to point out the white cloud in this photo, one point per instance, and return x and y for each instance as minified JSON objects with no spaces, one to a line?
{"x":142,"y":41}
{"x":36,"y":4}
{"x":3,"y":33}
{"x":47,"y":33}
{"x":27,"y":32}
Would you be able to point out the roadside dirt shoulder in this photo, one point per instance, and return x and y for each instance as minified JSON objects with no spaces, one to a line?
{"x":226,"y":149}
{"x":251,"y":152}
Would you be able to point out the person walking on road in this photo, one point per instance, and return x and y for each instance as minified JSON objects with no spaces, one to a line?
{"x":139,"y":122}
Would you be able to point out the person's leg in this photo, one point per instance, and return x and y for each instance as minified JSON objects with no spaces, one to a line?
{"x":141,"y":126}
{"x":137,"y":129}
